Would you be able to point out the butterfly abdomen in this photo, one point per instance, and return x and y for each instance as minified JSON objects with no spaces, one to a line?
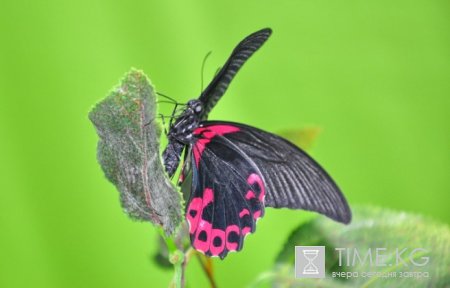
{"x":171,"y":156}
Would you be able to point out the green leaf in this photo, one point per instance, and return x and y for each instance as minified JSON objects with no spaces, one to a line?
{"x":128,"y":152}
{"x":161,"y":256}
{"x":303,"y":137}
{"x":371,"y":228}
{"x":178,"y":241}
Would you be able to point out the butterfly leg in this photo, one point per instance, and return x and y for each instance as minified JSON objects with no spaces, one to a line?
{"x":173,"y":115}
{"x":163,"y":123}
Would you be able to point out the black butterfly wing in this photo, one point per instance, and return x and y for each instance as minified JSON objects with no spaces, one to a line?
{"x":221,"y":81}
{"x":292,"y":178}
{"x":227,"y":194}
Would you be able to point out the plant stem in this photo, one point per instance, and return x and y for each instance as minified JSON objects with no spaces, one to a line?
{"x":208,"y":269}
{"x":187,"y":256}
{"x":177,"y":259}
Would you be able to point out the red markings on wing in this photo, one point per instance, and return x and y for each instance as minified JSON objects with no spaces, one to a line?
{"x":218,"y":241}
{"x":252,"y":180}
{"x":246,"y":230}
{"x":256,"y":179}
{"x":202,"y":236}
{"x":194,"y":213}
{"x":249,"y":195}
{"x":232,"y":230}
{"x":207,"y":134}
{"x":197,"y":225}
{"x":244,"y":212}
{"x":211,"y":240}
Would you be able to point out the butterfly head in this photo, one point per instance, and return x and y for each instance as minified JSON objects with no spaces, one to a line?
{"x":195,"y":105}
{"x":183,"y":128}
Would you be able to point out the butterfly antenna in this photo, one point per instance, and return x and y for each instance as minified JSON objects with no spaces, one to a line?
{"x":164,"y":101}
{"x":203,"y":69}
{"x":167,"y":97}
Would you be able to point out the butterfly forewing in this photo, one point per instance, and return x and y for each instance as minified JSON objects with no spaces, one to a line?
{"x":292,"y":178}
{"x":240,"y":54}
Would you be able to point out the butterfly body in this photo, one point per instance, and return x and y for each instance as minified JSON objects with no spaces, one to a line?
{"x":181,"y":134}
{"x":235,"y":170}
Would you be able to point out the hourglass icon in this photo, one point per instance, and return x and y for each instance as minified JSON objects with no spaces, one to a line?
{"x":310,"y":268}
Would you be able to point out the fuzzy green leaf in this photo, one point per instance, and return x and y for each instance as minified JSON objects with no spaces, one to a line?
{"x":371,"y":228}
{"x":128,"y":152}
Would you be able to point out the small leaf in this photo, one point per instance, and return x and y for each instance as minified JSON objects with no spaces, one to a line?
{"x":372,"y":228}
{"x":128,"y":152}
{"x":178,"y":241}
{"x":161,"y":257}
{"x":303,"y":137}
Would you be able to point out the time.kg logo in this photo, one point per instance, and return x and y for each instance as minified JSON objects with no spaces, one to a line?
{"x":309,"y":261}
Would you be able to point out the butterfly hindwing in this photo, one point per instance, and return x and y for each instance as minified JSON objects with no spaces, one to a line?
{"x":227,"y":194}
{"x":240,"y":54}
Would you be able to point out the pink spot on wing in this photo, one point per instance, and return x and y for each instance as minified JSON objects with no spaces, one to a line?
{"x":257,"y":214}
{"x":202,"y":245}
{"x":219,"y":129}
{"x":195,"y":205}
{"x":198,"y":204}
{"x":208,"y":196}
{"x":246,"y":230}
{"x":216,"y":250}
{"x":249,"y":195}
{"x":197,"y":224}
{"x":207,"y":133}
{"x":255,"y":178}
{"x":232,"y":246}
{"x":244,"y":212}
{"x":198,"y":149}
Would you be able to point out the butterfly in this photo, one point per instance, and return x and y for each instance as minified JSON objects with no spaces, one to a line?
{"x":234,"y":171}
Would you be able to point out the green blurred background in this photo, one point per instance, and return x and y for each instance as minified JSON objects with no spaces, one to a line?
{"x":373,"y":74}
